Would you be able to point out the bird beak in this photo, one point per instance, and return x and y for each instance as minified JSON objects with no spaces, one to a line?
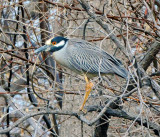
{"x":43,"y":48}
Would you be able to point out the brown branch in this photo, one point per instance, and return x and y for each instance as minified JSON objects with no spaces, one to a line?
{"x":21,"y":114}
{"x":123,"y":114}
{"x":22,"y":49}
{"x":87,"y":8}
{"x":109,"y":111}
{"x":155,"y":88}
{"x":12,"y":5}
{"x":64,"y":6}
{"x":157,"y":2}
{"x":152,"y":83}
{"x":31,"y":62}
{"x":97,"y":12}
{"x":4,"y":131}
{"x":150,"y":55}
{"x":103,"y":111}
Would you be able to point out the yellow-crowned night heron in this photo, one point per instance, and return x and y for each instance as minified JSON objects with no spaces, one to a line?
{"x":83,"y":58}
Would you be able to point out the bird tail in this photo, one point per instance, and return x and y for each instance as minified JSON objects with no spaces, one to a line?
{"x":123,"y":72}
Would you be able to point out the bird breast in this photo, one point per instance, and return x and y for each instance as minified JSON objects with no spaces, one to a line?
{"x":61,"y":57}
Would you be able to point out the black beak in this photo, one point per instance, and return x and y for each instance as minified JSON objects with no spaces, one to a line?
{"x":43,"y":48}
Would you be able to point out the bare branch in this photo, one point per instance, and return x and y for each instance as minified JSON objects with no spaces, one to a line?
{"x":87,"y":8}
{"x":150,"y":55}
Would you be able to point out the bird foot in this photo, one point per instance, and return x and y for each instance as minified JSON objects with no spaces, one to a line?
{"x":83,"y":110}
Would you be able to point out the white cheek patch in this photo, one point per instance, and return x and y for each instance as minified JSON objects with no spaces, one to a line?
{"x":60,"y":44}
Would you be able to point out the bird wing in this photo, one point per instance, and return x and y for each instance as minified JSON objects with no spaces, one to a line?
{"x":86,"y":57}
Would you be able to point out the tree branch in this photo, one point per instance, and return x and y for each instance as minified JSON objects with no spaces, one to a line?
{"x":123,"y":114}
{"x":87,"y":8}
{"x":150,"y":55}
{"x":22,"y":114}
{"x":109,"y":111}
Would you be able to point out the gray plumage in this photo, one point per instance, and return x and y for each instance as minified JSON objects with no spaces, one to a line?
{"x":84,"y":57}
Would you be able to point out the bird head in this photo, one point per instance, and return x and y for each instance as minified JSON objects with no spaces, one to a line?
{"x":53,"y":45}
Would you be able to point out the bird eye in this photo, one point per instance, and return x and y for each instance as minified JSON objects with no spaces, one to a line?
{"x":54,"y":43}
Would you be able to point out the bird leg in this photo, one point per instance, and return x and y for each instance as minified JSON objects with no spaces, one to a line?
{"x":89,"y":86}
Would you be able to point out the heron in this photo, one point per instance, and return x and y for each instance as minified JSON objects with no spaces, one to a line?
{"x":84,"y":58}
